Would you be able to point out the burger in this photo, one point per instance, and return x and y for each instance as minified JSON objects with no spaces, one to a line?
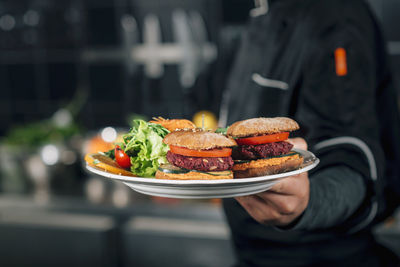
{"x":197,"y":155}
{"x":262,"y":149}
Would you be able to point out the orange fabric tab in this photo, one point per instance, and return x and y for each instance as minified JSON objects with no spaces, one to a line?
{"x":340,"y":61}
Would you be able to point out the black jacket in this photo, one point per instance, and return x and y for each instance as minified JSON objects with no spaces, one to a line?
{"x":286,"y":67}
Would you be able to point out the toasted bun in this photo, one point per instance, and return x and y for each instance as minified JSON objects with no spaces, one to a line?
{"x":270,"y":166}
{"x":198,"y":139}
{"x":191,"y":176}
{"x":260,"y":126}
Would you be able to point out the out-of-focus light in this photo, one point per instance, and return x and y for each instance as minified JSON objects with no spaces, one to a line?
{"x":128,"y":22}
{"x":68,"y":157}
{"x":7,"y":22}
{"x":31,"y":18}
{"x":37,"y":170}
{"x":50,"y":154}
{"x":206,"y":119}
{"x":41,"y":196}
{"x":95,"y":190}
{"x":62,"y":118}
{"x":120,"y":196}
{"x":109,"y":134}
{"x":97,"y":144}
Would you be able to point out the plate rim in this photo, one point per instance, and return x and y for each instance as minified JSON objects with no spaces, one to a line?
{"x":161,"y":182}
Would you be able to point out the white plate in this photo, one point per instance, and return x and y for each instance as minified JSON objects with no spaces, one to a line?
{"x":195,"y":189}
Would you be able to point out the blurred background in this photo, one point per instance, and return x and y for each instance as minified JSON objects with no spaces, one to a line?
{"x":73,"y":74}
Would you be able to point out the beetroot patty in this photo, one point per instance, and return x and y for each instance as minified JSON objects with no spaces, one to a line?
{"x":261,"y":151}
{"x":200,"y":164}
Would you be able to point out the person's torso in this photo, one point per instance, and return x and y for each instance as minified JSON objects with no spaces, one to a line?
{"x":265,"y":81}
{"x":268,"y":65}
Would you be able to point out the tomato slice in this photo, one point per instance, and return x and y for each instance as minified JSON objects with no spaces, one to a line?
{"x":263,"y":139}
{"x":211,"y":153}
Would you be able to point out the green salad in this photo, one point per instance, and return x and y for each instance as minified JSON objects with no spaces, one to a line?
{"x":143,"y":144}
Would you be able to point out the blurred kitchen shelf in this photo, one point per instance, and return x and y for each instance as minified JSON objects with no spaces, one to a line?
{"x":143,"y":234}
{"x":38,"y":56}
{"x":57,"y":239}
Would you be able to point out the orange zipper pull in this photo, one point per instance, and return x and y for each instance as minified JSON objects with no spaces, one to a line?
{"x":340,"y":61}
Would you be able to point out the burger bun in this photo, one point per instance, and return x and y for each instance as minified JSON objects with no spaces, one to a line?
{"x":262,"y":167}
{"x":261,"y":126}
{"x":198,"y":139}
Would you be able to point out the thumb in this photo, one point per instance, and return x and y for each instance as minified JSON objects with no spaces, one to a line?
{"x":298,"y":142}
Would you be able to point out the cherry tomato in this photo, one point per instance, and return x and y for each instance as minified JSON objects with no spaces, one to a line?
{"x":263,"y":139}
{"x":122,"y":158}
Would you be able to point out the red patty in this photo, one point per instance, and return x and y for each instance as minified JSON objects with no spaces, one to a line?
{"x":261,"y":151}
{"x":200,"y":164}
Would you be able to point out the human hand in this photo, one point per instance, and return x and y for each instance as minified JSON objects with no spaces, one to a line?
{"x":298,"y":142}
{"x":284,"y":202}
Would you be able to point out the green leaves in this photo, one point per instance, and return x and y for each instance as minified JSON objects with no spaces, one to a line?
{"x":221,"y":130}
{"x":145,"y":147}
{"x":110,"y":153}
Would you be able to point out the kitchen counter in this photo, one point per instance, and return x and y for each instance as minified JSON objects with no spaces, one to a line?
{"x":74,"y":232}
{"x":70,"y":231}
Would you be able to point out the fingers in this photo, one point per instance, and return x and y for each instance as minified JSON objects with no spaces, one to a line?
{"x":257,"y":208}
{"x":284,"y":204}
{"x":278,"y":212}
{"x":292,"y":185}
{"x":298,"y":142}
{"x":280,"y":205}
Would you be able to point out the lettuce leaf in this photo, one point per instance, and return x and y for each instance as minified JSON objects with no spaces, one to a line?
{"x":145,"y":147}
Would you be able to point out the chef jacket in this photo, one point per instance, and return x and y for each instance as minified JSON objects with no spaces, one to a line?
{"x":323,"y":63}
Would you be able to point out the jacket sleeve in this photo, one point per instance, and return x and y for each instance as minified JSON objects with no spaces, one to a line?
{"x":337,"y":112}
{"x":330,"y":202}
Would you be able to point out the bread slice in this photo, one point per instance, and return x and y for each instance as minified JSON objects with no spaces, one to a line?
{"x":191,"y":176}
{"x":198,"y":139}
{"x":262,"y":167}
{"x":260,"y":126}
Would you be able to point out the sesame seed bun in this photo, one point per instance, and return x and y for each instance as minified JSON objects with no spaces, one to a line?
{"x":261,"y":126}
{"x":269,"y":166}
{"x":198,"y":139}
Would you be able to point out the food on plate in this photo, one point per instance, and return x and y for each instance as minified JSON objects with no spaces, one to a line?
{"x":105,"y":163}
{"x":122,"y":159}
{"x":140,"y":152}
{"x":143,"y":144}
{"x":250,"y":148}
{"x":197,"y":155}
{"x":262,"y":149}
{"x":174,"y":124}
